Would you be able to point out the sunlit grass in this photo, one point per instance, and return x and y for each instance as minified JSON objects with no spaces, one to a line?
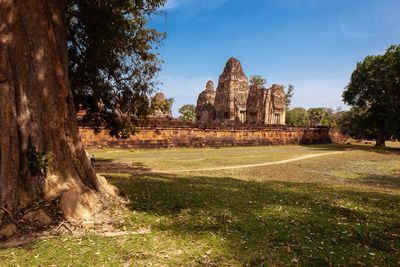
{"x":341,"y":210}
{"x":189,"y":158}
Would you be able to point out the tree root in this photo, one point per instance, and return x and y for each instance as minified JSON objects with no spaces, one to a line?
{"x":9,"y":214}
{"x":62,"y":224}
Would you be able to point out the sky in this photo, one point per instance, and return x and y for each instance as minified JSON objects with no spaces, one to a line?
{"x":312,"y":44}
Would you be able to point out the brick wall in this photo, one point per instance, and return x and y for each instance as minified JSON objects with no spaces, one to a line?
{"x":161,"y":137}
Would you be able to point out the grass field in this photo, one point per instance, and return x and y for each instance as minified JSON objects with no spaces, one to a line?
{"x":337,"y":209}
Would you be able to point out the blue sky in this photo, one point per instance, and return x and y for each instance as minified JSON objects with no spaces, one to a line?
{"x":313,"y":44}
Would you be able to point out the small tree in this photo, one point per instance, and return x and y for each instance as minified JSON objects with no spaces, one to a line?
{"x":188,"y":113}
{"x":316,"y":115}
{"x":289,"y":95}
{"x":297,"y":117}
{"x":374,"y":88}
{"x":258,"y":81}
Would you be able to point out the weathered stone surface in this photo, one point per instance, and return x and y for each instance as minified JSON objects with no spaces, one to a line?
{"x":277,"y":109}
{"x":159,"y":104}
{"x":266,"y":106}
{"x":232,"y":93}
{"x":159,"y":97}
{"x":163,"y":137}
{"x":8,"y":231}
{"x":236,"y":102}
{"x":205,"y":111}
{"x":256,"y":104}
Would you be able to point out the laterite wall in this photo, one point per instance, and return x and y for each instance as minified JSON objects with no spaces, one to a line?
{"x":161,"y":137}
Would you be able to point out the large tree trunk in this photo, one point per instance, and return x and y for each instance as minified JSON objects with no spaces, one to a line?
{"x":381,"y":140}
{"x":36,"y":109}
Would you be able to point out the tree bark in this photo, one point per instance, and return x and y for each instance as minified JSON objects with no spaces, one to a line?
{"x":36,"y":107}
{"x":381,"y":140}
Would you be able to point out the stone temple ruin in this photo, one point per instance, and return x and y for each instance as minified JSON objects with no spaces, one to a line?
{"x":159,"y":106}
{"x":235,"y":101}
{"x":205,"y":110}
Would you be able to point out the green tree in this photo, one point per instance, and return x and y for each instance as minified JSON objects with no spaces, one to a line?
{"x":113,"y":61}
{"x":297,"y":117}
{"x":332,"y":117}
{"x":289,"y":95}
{"x":374,"y":88}
{"x":168,"y":106}
{"x":258,"y":81}
{"x":188,"y":113}
{"x":355,"y":124}
{"x":108,"y":50}
{"x":316,"y":115}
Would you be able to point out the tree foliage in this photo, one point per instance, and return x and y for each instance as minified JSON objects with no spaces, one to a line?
{"x":289,"y":95}
{"x":113,"y":61}
{"x":374,"y":92}
{"x":325,"y":116}
{"x":258,"y":81}
{"x":355,"y":124}
{"x":316,"y":115}
{"x":297,"y":117}
{"x":188,"y":113}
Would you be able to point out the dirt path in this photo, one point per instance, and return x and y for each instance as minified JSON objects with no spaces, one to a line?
{"x":254,"y":165}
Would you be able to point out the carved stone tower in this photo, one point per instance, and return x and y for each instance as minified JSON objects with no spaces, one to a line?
{"x":205,"y":111}
{"x":232,"y":93}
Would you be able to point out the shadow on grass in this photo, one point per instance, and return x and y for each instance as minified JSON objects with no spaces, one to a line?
{"x":386,"y":181}
{"x":344,"y":147}
{"x":109,"y":166}
{"x":102,"y":160}
{"x":271,"y":222}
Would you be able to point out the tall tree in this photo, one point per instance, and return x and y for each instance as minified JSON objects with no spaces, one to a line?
{"x":374,"y":88}
{"x":258,"y":81}
{"x":289,"y":95}
{"x":188,"y":113}
{"x":41,"y":155}
{"x":112,"y":61}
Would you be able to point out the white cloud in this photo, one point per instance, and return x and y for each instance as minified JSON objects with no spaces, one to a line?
{"x":194,"y":4}
{"x":173,"y":4}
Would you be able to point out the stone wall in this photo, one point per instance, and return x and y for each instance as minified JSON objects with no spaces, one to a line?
{"x":162,"y":137}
